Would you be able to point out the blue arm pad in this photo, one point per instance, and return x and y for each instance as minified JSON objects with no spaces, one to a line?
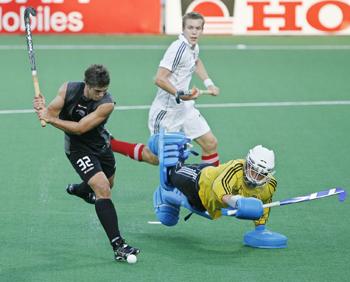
{"x":249,"y":208}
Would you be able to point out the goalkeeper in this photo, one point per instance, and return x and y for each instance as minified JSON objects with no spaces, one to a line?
{"x":209,"y":189}
{"x":242,"y":184}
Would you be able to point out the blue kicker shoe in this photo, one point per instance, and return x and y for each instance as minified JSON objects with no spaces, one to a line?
{"x":265,"y":239}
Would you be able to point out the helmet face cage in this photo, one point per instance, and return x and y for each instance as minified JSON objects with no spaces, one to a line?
{"x":259,"y":166}
{"x":255,"y":174}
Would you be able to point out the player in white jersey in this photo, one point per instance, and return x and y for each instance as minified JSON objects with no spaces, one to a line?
{"x":174,"y":75}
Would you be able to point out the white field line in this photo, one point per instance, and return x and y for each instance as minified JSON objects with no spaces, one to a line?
{"x":224,"y":105}
{"x":154,"y":222}
{"x":239,"y":47}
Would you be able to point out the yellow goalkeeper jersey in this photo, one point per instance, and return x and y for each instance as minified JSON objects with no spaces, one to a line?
{"x":228,"y":179}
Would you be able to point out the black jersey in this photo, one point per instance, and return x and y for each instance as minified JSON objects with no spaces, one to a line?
{"x":76,"y":106}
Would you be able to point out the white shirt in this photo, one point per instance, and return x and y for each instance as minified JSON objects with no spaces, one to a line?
{"x":181,"y":60}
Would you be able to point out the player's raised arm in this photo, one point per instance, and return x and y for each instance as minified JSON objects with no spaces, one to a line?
{"x":56,"y":105}
{"x":51,"y":114}
{"x":54,"y":108}
{"x":44,"y":113}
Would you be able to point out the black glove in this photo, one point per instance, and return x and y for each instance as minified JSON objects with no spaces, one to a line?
{"x":178,"y":94}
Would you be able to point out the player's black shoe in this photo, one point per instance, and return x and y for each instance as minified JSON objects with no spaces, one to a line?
{"x":87,"y":197}
{"x":122,"y":250}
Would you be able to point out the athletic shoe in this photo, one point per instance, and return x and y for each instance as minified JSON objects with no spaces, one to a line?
{"x":122,"y":250}
{"x":87,"y":197}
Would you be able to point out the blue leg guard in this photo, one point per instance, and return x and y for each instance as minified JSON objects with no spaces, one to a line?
{"x":265,"y":239}
{"x":171,"y":149}
{"x":171,"y":138}
{"x":166,"y":206}
{"x":249,"y":208}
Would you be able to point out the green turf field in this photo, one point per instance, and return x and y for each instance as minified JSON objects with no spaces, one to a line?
{"x":47,"y":235}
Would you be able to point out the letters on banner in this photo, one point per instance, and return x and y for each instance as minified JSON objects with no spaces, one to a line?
{"x":82,"y":16}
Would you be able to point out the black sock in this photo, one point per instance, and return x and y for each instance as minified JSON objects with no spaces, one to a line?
{"x":108,"y":217}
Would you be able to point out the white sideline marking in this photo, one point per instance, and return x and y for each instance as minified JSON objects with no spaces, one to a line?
{"x":239,"y":47}
{"x":224,"y":105}
{"x":7,"y":112}
{"x":154,"y":222}
{"x":275,"y":104}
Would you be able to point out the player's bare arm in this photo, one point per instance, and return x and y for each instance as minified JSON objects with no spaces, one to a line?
{"x":85,"y":124}
{"x":231,"y":200}
{"x":54,"y":107}
{"x":162,"y":81}
{"x":202,"y":73}
{"x":50,"y":115}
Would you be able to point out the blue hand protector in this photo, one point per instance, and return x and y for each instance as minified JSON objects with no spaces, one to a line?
{"x":249,"y":208}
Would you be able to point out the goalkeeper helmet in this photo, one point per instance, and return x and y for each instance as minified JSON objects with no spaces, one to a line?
{"x":259,"y":166}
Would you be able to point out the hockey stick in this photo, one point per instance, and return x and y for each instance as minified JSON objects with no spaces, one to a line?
{"x":201,"y":92}
{"x":31,"y":11}
{"x":190,"y":92}
{"x":314,"y":196}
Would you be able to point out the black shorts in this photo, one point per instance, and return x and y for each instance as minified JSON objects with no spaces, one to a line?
{"x":87,"y":164}
{"x":185,"y":178}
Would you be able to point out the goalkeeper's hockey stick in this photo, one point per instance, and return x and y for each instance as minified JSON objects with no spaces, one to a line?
{"x":314,"y":196}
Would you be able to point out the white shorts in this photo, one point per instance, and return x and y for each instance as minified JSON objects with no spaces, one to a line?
{"x":189,"y":121}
